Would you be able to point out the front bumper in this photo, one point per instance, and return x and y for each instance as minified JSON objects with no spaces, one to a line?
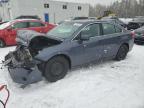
{"x":25,"y":76}
{"x":22,"y":74}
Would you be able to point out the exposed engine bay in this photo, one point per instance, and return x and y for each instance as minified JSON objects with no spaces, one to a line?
{"x":39,"y":43}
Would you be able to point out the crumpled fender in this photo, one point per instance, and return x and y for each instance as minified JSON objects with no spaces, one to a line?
{"x":50,"y":52}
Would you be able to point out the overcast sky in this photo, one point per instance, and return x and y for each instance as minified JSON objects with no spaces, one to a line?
{"x":105,"y":2}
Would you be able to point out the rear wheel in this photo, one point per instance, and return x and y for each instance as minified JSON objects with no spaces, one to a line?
{"x":56,"y":68}
{"x":2,"y":43}
{"x":122,"y":53}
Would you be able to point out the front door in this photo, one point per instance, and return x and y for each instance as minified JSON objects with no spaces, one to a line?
{"x":91,"y":49}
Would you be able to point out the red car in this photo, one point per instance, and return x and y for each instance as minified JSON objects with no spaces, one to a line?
{"x":8,"y":30}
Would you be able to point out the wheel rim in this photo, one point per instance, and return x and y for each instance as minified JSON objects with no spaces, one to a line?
{"x":123,"y":53}
{"x":56,"y":69}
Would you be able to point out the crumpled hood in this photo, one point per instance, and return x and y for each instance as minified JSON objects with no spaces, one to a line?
{"x":24,"y":37}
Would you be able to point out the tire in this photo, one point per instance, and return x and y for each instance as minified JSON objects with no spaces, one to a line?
{"x":2,"y":43}
{"x":56,"y":68}
{"x":122,"y":53}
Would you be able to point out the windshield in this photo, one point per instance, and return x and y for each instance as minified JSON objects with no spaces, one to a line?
{"x":65,"y":30}
{"x":4,"y":25}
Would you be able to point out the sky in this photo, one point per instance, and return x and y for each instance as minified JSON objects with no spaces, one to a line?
{"x":92,"y":2}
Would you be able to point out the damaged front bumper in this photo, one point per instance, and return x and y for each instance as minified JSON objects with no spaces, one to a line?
{"x":25,"y":76}
{"x":20,"y":72}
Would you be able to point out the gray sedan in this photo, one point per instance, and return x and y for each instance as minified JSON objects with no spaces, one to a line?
{"x":66,"y":46}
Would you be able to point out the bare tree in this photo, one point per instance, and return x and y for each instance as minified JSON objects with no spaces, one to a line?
{"x":123,"y":8}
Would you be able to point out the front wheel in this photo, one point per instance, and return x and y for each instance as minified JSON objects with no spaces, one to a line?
{"x":56,"y":68}
{"x":2,"y":43}
{"x":122,"y":53}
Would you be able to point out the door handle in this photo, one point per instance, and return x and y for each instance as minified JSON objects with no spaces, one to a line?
{"x":85,"y":45}
{"x":105,"y":51}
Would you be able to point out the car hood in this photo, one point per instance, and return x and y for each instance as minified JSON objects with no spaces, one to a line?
{"x":24,"y":37}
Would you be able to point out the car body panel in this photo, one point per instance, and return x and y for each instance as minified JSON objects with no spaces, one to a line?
{"x":77,"y":51}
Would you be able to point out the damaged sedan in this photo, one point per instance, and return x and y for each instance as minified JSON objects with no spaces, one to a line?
{"x":66,"y":46}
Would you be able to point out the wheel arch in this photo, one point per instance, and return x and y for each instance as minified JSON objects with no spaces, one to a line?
{"x":126,"y":45}
{"x":65,"y":56}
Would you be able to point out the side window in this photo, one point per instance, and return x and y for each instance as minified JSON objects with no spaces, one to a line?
{"x":35,"y":24}
{"x":108,"y":29}
{"x":91,"y":30}
{"x":20,"y":25}
{"x":118,"y":30}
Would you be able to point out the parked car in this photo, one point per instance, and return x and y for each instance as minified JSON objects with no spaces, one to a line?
{"x":9,"y":30}
{"x":136,"y":23}
{"x":66,"y":46}
{"x":28,"y":17}
{"x":139,"y":37}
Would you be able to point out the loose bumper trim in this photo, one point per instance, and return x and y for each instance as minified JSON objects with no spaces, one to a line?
{"x":25,"y":76}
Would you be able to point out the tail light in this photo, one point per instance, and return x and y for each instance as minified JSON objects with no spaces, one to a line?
{"x":133,"y":34}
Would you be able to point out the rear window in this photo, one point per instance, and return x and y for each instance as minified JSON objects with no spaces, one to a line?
{"x":110,"y":29}
{"x":20,"y":25}
{"x":36,"y":24}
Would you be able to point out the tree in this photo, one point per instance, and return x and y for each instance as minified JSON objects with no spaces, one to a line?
{"x":123,"y":8}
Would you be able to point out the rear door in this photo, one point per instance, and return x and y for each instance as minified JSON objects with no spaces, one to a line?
{"x":112,"y":36}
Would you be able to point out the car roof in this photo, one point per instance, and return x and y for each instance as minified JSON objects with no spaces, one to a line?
{"x":87,"y":21}
{"x":19,"y":20}
{"x":108,"y":19}
{"x":26,"y":19}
